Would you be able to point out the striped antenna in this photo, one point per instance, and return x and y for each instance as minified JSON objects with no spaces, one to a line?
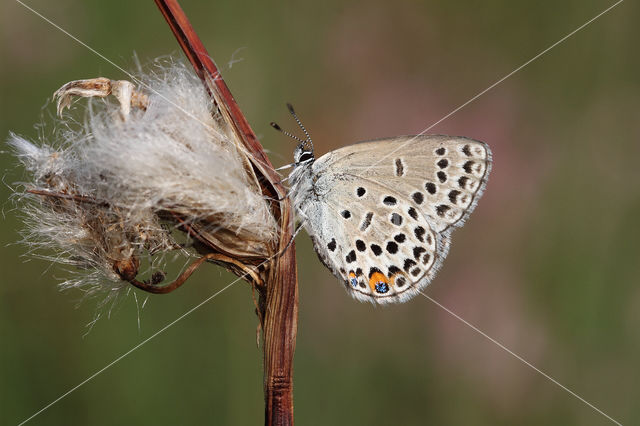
{"x":278,"y":128}
{"x":295,"y":116}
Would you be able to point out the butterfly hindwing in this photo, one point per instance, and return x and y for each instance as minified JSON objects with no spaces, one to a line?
{"x":377,"y":242}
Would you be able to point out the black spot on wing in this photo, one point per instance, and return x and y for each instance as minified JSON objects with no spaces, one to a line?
{"x":430,"y":187}
{"x":442,"y":209}
{"x":389,"y":201}
{"x":396,"y":219}
{"x":393,"y":270}
{"x":413,"y":213}
{"x":351,"y":257}
{"x":366,"y":222}
{"x":468,"y":166}
{"x":399,"y":167}
{"x":408,"y":264}
{"x":417,"y":251}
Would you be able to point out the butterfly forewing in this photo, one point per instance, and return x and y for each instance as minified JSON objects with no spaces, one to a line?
{"x":445,"y":175}
{"x":380,"y":212}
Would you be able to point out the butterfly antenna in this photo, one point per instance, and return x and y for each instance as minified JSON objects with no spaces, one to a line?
{"x":295,"y":117}
{"x":278,"y":128}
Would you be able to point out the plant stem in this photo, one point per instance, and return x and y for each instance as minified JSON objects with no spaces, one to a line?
{"x":279,"y":298}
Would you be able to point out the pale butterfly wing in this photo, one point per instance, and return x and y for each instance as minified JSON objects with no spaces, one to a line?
{"x":380,"y":213}
{"x":377,"y":242}
{"x":445,"y":175}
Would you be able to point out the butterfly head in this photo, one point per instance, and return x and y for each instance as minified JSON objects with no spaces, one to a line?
{"x":303,"y":154}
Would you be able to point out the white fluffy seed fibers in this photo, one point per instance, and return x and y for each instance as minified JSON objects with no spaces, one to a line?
{"x":121,"y":177}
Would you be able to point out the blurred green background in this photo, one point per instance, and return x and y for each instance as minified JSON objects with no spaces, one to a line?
{"x":548,"y":264}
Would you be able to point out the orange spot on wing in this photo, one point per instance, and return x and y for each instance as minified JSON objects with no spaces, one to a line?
{"x":376,"y":278}
{"x":352,"y":280}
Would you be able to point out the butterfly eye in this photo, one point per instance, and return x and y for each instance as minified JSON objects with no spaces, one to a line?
{"x":306,"y":156}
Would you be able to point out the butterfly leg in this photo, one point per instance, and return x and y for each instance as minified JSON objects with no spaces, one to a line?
{"x":286,"y":195}
{"x":293,"y":237}
{"x":285,"y":167}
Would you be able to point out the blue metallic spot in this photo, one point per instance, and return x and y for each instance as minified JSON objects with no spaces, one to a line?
{"x":382,"y":287}
{"x":354,"y":282}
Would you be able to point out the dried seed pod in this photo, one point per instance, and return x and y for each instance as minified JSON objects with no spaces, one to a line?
{"x":114,"y":191}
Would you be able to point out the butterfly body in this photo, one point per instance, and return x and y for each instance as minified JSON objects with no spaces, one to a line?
{"x":380,"y":213}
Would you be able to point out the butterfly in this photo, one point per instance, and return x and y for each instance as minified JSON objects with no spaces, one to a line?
{"x":380,"y":213}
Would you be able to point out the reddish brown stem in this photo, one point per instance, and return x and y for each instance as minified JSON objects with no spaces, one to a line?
{"x":168,"y":288}
{"x":280,"y":328}
{"x":279,"y":296}
{"x":182,"y":278}
{"x":208,"y":72}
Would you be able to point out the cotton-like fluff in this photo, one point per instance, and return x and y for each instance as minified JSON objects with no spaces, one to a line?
{"x":115,"y":190}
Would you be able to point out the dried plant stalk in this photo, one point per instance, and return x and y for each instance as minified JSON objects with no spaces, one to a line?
{"x":173,"y":165}
{"x":279,"y":297}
